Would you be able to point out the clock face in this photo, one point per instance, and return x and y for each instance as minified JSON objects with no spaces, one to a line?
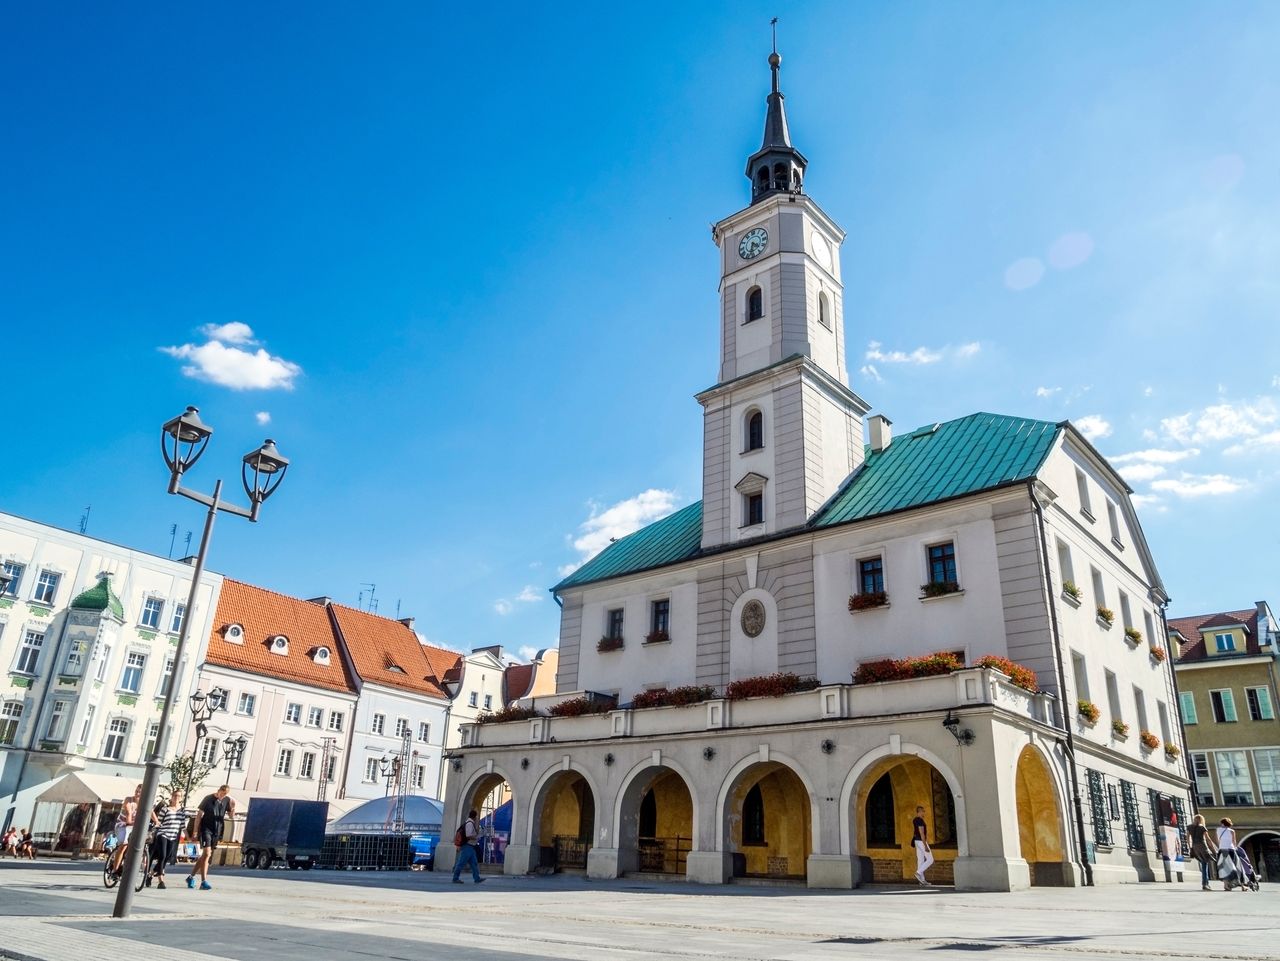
{"x":821,"y":251}
{"x":753,"y":243}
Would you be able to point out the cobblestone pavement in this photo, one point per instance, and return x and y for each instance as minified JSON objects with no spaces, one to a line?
{"x":61,"y":912}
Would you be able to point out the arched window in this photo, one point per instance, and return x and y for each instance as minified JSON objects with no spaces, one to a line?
{"x":880,"y":819}
{"x":753,"y":817}
{"x":755,"y":304}
{"x":781,"y":178}
{"x":824,"y":310}
{"x":762,"y":178}
{"x":755,"y":430}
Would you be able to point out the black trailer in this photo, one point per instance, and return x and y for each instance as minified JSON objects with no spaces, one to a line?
{"x":280,"y":829}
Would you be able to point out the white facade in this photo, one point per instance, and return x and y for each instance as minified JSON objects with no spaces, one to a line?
{"x":383,"y":715}
{"x":85,"y":686}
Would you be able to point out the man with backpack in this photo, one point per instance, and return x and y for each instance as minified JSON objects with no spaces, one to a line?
{"x":465,"y":841}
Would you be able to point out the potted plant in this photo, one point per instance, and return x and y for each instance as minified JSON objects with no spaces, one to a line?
{"x":1106,"y":615}
{"x":1148,"y":740}
{"x":1133,"y":634}
{"x":1119,"y":728}
{"x":1171,"y":752}
{"x":939,"y":588}
{"x":1070,"y":589}
{"x":864,"y":602}
{"x":673,"y":697}
{"x":657,"y":637}
{"x":578,"y":706}
{"x":1088,"y":710}
{"x":1019,"y":675}
{"x":512,"y":713}
{"x":1157,"y":653}
{"x":608,"y":643}
{"x":768,"y":685}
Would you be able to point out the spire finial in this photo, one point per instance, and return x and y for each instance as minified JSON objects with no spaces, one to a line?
{"x":775,"y":60}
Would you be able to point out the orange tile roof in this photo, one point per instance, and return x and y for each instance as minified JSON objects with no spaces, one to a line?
{"x":265,"y":614}
{"x":519,"y":678}
{"x":440,"y":661}
{"x":1190,"y":628}
{"x":384,"y":651}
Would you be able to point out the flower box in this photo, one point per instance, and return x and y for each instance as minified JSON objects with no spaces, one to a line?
{"x":1018,"y":674}
{"x":1158,"y":654}
{"x":869,"y":601}
{"x":1120,"y":729}
{"x":1133,"y":635}
{"x":657,"y":637}
{"x":939,"y":588}
{"x":1088,"y":710}
{"x":1106,"y":616}
{"x":899,"y":669}
{"x":1148,"y":740}
{"x":673,"y":697}
{"x":606,"y":644}
{"x":768,"y":685}
{"x":1171,"y":752}
{"x":579,"y":706}
{"x":512,"y":713}
{"x":1071,"y":591}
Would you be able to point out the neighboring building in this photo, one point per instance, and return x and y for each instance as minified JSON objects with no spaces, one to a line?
{"x":401,"y":702}
{"x":88,"y":632}
{"x":983,"y":535}
{"x":535,"y":679}
{"x":289,"y":693}
{"x":1226,"y":668}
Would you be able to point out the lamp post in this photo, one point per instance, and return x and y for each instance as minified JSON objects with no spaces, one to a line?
{"x":390,"y":768}
{"x":202,"y":709}
{"x":182,"y":442}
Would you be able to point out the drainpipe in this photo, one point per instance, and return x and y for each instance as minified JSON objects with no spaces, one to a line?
{"x":1062,"y":688}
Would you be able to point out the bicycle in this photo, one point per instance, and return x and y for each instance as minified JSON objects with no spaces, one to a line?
{"x":148,"y":858}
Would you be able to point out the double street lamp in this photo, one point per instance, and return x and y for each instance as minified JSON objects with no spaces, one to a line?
{"x":203,"y":707}
{"x":183,"y":441}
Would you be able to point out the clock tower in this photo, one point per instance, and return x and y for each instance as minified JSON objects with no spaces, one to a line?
{"x":781,"y":429}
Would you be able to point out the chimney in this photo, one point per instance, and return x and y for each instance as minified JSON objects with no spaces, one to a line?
{"x":407,"y":622}
{"x":322,"y":600}
{"x":881,"y":430}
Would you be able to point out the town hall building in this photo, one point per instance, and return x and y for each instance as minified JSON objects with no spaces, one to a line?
{"x":848,"y":626}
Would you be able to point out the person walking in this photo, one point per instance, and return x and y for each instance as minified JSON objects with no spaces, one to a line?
{"x":920,"y":841}
{"x":1202,"y":849}
{"x":173,"y":818}
{"x":1227,"y":855}
{"x":124,"y":824}
{"x":467,"y":850}
{"x":210,"y":817}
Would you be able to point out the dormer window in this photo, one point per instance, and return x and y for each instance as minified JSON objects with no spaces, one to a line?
{"x":234,"y":633}
{"x":755,"y":304}
{"x":279,"y":644}
{"x":320,"y":655}
{"x":755,"y":431}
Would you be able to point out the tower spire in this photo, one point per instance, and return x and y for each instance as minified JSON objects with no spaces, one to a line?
{"x":776,"y":166}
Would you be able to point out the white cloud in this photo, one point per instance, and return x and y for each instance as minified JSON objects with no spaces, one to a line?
{"x":225,"y":361}
{"x":1149,"y":502}
{"x":232,"y":333}
{"x":529,"y":595}
{"x":1093,"y":426}
{"x":1271,"y":439}
{"x":503,"y":607}
{"x":1139,"y":472}
{"x":964,"y":351}
{"x":564,"y":570}
{"x":262,"y":417}
{"x":1047,"y":391}
{"x":1220,"y":422}
{"x":921,"y":355}
{"x":1155,"y":456}
{"x":1199,"y":485}
{"x":1148,"y":391}
{"x":528,"y":653}
{"x":1023,"y":274}
{"x":1275,"y":381}
{"x":620,"y":519}
{"x":869,"y":371}
{"x":1070,"y":250}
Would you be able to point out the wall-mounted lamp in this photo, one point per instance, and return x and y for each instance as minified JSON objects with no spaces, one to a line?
{"x":608,"y":760}
{"x":828,"y":746}
{"x":524,"y":764}
{"x":952,"y":724}
{"x":708,"y":753}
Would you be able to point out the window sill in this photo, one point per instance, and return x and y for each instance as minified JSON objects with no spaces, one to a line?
{"x":1084,"y":512}
{"x":750,"y":450}
{"x":655,"y":643}
{"x":751,"y":320}
{"x":1117,"y":544}
{"x":925,"y":598}
{"x":757,"y":528}
{"x":1073,"y":601}
{"x":1103,"y":623}
{"x":883,"y":607}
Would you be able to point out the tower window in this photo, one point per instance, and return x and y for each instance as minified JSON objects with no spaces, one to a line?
{"x":824,"y":311}
{"x":781,"y":178}
{"x":762,"y":179}
{"x":755,"y":304}
{"x":753,"y":508}
{"x":755,"y":431}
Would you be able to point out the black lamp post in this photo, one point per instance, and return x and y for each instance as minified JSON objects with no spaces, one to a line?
{"x":390,"y":768}
{"x":183,"y":441}
{"x":233,"y":752}
{"x":202,"y":708}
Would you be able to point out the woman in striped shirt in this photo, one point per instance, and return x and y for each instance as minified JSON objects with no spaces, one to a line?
{"x":173,"y":821}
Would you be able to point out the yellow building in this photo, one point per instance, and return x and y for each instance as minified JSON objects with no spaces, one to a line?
{"x":1226,"y":671}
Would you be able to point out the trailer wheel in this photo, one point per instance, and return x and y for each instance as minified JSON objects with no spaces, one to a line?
{"x":264,"y":860}
{"x":251,"y":859}
{"x":308,"y":865}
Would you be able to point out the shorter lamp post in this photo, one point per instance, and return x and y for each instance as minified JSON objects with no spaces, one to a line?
{"x":233,"y":752}
{"x":390,"y":768}
{"x":202,"y":707}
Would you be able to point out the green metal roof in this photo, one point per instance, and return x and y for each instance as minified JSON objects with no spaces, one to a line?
{"x":99,"y":598}
{"x":933,"y":463}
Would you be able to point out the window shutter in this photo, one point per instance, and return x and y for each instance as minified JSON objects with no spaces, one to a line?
{"x":1228,"y":706}
{"x":1264,"y":704}
{"x":1187,"y":704}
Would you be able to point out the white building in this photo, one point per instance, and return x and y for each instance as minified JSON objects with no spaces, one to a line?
{"x":816,"y":555}
{"x":88,"y":632}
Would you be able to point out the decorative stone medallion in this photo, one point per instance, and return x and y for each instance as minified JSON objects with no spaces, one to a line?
{"x":753,"y":618}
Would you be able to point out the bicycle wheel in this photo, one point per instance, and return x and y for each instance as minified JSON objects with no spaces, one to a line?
{"x":144,"y":876}
{"x":109,"y":878}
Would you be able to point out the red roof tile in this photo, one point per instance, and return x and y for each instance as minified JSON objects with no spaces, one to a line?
{"x":1190,"y":628}
{"x":265,"y":614}
{"x":519,"y":678}
{"x":386,"y":652}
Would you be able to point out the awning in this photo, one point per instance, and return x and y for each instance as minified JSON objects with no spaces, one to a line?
{"x":88,"y":789}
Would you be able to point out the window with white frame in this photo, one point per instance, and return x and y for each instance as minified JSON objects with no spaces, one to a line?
{"x":58,"y":719}
{"x":473,"y":700}
{"x":246,"y":704}
{"x":1082,"y":489}
{"x":1204,"y":783}
{"x":86,"y":727}
{"x":47,"y":587}
{"x":284,"y":763}
{"x":488,"y":702}
{"x":1225,"y":643}
{"x":1146,"y":622}
{"x":1065,"y":569}
{"x":335,"y":720}
{"x":1259,"y":699}
{"x":117,"y":735}
{"x":209,"y":751}
{"x":135,"y":662}
{"x":1099,"y":592}
{"x":1233,"y":777}
{"x":74,"y":664}
{"x":1126,"y":615}
{"x":371,"y":770}
{"x":10,"y":718}
{"x":1081,"y":674}
{"x":29,"y":653}
{"x":104,"y":658}
{"x":293,"y":714}
{"x":402,"y":726}
{"x":149,"y":746}
{"x":315,"y":716}
{"x":179,"y":615}
{"x":942,"y":563}
{"x":307,"y":766}
{"x":1163,"y":713}
{"x":1113,"y":520}
{"x":1140,"y":701}
{"x":1113,"y":697}
{"x":1224,"y":706}
{"x":378,"y":723}
{"x":424,"y":731}
{"x":331,"y":766}
{"x":419,"y":776}
{"x":166,"y":678}
{"x":1187,"y":707}
{"x":15,"y":572}
{"x":152,"y":610}
{"x":1267,"y":763}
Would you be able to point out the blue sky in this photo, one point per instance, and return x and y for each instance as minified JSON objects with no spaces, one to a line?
{"x":472,"y":248}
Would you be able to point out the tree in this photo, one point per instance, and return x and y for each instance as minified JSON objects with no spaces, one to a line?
{"x":185,"y":773}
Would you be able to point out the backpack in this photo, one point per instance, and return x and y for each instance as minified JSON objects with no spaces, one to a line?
{"x":460,"y":836}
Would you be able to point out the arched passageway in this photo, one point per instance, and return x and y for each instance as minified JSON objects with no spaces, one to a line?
{"x":564,"y":822}
{"x":884,"y":807}
{"x":1039,"y":820}
{"x":655,"y":831}
{"x":767,"y":823}
{"x":491,"y":798}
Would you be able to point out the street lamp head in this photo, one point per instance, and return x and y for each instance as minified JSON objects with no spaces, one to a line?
{"x":263,"y":471}
{"x":197,"y":702}
{"x":384,"y":765}
{"x":218,"y":699}
{"x":183,"y":440}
